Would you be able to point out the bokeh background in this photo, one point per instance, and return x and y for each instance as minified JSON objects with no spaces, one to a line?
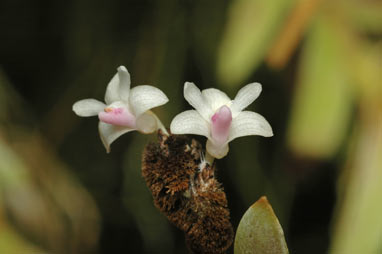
{"x":320,"y":66}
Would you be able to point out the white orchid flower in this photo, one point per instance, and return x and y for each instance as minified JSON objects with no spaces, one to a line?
{"x":219,"y":118}
{"x":125,"y":109}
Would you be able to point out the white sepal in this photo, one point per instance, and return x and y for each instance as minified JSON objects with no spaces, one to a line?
{"x":112,"y":90}
{"x":190,"y":122}
{"x":143,"y":98}
{"x":109,"y":133}
{"x":124,"y":83}
{"x":249,"y":123}
{"x":215,"y":98}
{"x":88,"y":107}
{"x":245,"y":97}
{"x":194,"y":97}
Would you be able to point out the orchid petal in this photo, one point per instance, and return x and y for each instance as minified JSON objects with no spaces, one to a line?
{"x":88,"y":107}
{"x":215,"y":98}
{"x":118,"y":87}
{"x":249,"y":123}
{"x":112,"y":90}
{"x":143,"y":98}
{"x":124,"y":83}
{"x":245,"y":97}
{"x":147,"y":123}
{"x":194,"y":97}
{"x":217,"y":151}
{"x":190,"y":122}
{"x":109,"y":133}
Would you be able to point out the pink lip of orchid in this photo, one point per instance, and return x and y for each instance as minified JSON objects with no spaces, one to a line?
{"x":220,"y":124}
{"x":118,"y":117}
{"x":219,"y":118}
{"x":125,"y":109}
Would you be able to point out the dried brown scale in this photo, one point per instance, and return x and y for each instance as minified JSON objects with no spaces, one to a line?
{"x":192,"y":199}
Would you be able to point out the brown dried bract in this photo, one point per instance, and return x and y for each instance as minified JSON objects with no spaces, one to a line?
{"x":191,"y":198}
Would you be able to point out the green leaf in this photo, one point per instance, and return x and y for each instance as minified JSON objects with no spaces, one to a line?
{"x":322,"y":105}
{"x":259,"y":231}
{"x":11,"y":241}
{"x":358,"y":220}
{"x":364,"y":15}
{"x":251,"y":27}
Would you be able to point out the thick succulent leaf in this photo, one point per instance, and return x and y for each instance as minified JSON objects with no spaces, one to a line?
{"x":323,"y":98}
{"x":250,"y":30}
{"x":259,"y":231}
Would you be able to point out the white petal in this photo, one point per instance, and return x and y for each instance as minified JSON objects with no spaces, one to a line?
{"x":143,"y":98}
{"x":109,"y":133}
{"x":245,"y":97}
{"x":190,"y":122}
{"x":124,"y":83}
{"x":217,"y":151}
{"x":112,"y":90}
{"x":249,"y":123}
{"x":215,"y":98}
{"x":193,"y":95}
{"x":118,"y":87}
{"x":147,"y":123}
{"x":88,"y":107}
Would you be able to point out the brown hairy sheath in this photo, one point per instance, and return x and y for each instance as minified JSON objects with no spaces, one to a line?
{"x":192,"y":199}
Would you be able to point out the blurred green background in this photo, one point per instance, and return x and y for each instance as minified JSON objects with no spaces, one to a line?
{"x":320,"y":66}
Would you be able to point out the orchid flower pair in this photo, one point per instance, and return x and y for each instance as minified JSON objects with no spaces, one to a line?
{"x":216,"y":116}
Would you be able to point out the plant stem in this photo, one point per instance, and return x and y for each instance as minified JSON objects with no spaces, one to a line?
{"x":209,"y":158}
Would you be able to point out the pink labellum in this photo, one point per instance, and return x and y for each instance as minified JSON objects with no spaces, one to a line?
{"x":117,"y":116}
{"x":221,"y":122}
